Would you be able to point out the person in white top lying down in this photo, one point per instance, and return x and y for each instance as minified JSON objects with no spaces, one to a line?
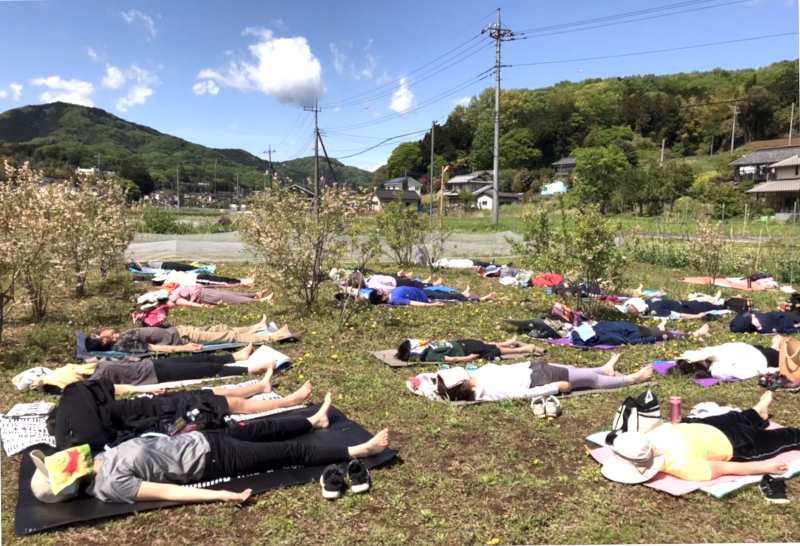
{"x":494,"y":382}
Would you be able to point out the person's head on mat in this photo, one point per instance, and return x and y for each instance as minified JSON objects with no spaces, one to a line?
{"x":455,"y":384}
{"x":103,"y":340}
{"x":378,"y":296}
{"x":635,"y":306}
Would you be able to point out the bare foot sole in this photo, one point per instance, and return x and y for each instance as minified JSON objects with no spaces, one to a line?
{"x":762,"y":407}
{"x":302,"y":394}
{"x":320,"y":419}
{"x":373,"y":446}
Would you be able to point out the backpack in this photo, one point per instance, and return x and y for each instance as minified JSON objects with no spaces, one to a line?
{"x":639,"y":414}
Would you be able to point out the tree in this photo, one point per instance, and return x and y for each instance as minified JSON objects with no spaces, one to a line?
{"x":401,"y":228}
{"x":296,"y":243}
{"x":406,"y":159}
{"x":597,"y":172}
{"x":136,"y":171}
{"x":481,"y":156}
{"x":518,"y":151}
{"x":466,"y":198}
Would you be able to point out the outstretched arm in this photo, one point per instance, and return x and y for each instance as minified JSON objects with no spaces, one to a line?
{"x":182,"y":302}
{"x":467,"y":358}
{"x":151,"y":491}
{"x":130,"y":389}
{"x":184,"y":348}
{"x":724,"y":468}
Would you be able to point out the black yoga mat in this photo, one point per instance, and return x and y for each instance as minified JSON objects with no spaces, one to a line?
{"x":33,"y":516}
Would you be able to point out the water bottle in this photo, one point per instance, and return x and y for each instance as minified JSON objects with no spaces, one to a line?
{"x":444,"y":367}
{"x":471,"y":368}
{"x":675,"y":409}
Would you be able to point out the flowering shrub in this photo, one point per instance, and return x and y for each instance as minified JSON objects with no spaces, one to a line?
{"x":296,"y":242}
{"x":401,"y":228}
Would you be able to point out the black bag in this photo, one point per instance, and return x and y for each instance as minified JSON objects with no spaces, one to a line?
{"x":638,"y":414}
{"x":737,"y":305}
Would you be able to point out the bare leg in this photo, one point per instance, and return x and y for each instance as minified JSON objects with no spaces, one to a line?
{"x":762,"y":407}
{"x":243,"y":405}
{"x":641,"y":376}
{"x":244,"y":353}
{"x":246,"y":391}
{"x":320,"y":419}
{"x":466,"y":291}
{"x":373,"y":446}
{"x":281,"y":333}
{"x":608,"y":367}
{"x":702,"y":331}
{"x":489,"y":297}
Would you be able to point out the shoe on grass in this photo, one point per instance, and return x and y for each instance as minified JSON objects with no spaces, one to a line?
{"x":357,"y":472}
{"x":332,"y":482}
{"x":552,"y":407}
{"x":537,"y":405}
{"x":773,"y":489}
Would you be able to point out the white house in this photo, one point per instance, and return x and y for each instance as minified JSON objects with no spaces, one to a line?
{"x":484,"y":198}
{"x":471,"y":182}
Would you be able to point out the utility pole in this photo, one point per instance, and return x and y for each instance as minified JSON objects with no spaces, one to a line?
{"x":500,"y":35}
{"x":430,"y":208}
{"x":733,"y":128}
{"x":178,"y":185}
{"x":791,"y":124}
{"x":268,"y":167}
{"x":316,"y":111}
{"x":663,"y":143}
{"x":237,"y":187}
{"x":98,"y":164}
{"x":214,"y":189}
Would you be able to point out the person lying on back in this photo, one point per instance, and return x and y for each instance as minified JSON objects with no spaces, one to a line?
{"x":408,"y":295}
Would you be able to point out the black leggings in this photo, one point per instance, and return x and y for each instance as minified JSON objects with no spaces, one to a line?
{"x":748,"y":434}
{"x":181,"y":368}
{"x":207,"y":280}
{"x":265,"y":444}
{"x":438,"y":295}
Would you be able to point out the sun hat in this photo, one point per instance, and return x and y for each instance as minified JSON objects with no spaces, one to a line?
{"x":789,"y":358}
{"x":453,"y":376}
{"x":633,"y":459}
{"x":57,"y":477}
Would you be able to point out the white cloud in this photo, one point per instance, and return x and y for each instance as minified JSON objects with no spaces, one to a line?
{"x":134,"y":16}
{"x":16,"y":91}
{"x":205,"y":86}
{"x":340,"y":60}
{"x":92,"y":53}
{"x":282,"y":67}
{"x":3,"y":93}
{"x":60,"y":90}
{"x":463,"y":101}
{"x":141,"y":83}
{"x":403,"y":99}
{"x":114,"y":78}
{"x":138,"y":94}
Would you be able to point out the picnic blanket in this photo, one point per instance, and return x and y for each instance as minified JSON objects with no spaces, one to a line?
{"x":33,"y":516}
{"x":738,"y":283}
{"x":424,"y":384}
{"x":718,"y":487}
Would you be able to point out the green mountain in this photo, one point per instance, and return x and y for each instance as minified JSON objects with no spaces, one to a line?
{"x":58,"y":137}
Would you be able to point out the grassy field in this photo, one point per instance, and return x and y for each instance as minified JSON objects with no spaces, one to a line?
{"x":482,"y":474}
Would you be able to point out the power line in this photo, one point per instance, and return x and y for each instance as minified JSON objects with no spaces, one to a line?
{"x":537,"y":33}
{"x":653,"y":51}
{"x":382,"y":143}
{"x":447,"y":93}
{"x":395,"y":82}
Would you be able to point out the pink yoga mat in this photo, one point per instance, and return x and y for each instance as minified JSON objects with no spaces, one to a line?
{"x":678,"y":487}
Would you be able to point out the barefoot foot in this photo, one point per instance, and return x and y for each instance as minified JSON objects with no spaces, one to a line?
{"x":373,"y":446}
{"x":762,"y":407}
{"x":243,"y":353}
{"x":320,"y":419}
{"x":301,"y":395}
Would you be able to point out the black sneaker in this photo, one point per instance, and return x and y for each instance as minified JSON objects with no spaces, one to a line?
{"x":773,"y":489}
{"x":360,"y":481}
{"x":777,"y":382}
{"x":332,"y":482}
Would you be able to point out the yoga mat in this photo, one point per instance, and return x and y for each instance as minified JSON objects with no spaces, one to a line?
{"x":83,"y":354}
{"x":388,"y":358}
{"x":718,"y":487}
{"x":567,"y":342}
{"x":33,"y":516}
{"x":662,"y":367}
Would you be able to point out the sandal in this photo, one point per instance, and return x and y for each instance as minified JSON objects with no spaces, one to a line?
{"x":552,"y":407}
{"x":537,"y":405}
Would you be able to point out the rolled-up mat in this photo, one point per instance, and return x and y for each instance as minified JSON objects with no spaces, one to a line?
{"x":33,"y":516}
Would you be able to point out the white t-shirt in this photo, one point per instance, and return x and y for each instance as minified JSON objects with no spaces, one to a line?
{"x":384,"y":282}
{"x":495,"y":382}
{"x":730,"y":360}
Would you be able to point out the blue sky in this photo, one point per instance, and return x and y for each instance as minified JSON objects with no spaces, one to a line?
{"x":236,"y":74}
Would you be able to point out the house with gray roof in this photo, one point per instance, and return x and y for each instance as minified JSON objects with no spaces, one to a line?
{"x":471,"y":182}
{"x":403,"y":183}
{"x":381,"y":198}
{"x":564,"y":166}
{"x":755,"y":166}
{"x":781,"y":190}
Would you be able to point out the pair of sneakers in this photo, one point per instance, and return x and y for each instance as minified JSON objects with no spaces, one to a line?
{"x":334,"y":480}
{"x":548,"y":406}
{"x":773,"y":489}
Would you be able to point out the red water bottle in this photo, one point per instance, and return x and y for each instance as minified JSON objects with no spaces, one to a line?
{"x":675,"y":409}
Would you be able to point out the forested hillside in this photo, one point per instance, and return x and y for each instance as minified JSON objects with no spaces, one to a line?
{"x":58,"y":137}
{"x":692,"y":112}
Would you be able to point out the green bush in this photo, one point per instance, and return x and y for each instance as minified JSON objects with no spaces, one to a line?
{"x":158,"y":220}
{"x":401,"y":228}
{"x":45,"y":337}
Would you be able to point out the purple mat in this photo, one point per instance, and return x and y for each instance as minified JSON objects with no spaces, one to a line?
{"x":663,"y":366}
{"x":567,"y":342}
